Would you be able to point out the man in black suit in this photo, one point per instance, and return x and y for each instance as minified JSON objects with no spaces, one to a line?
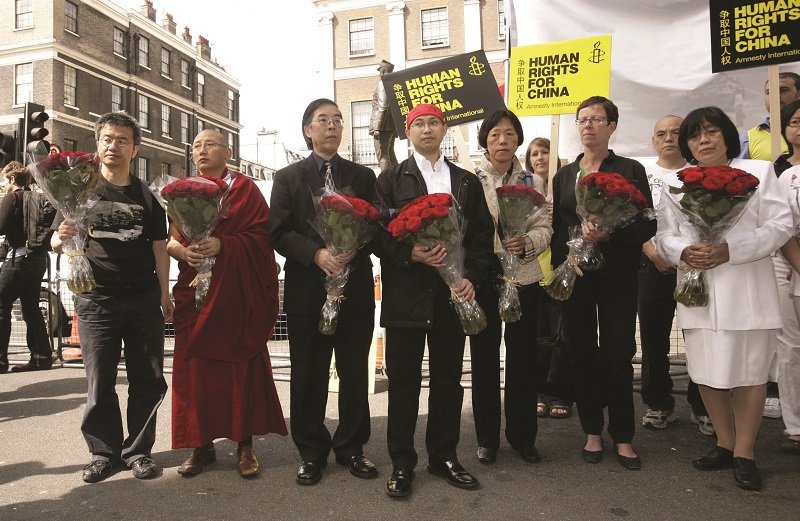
{"x":308,"y":261}
{"x":416,"y":304}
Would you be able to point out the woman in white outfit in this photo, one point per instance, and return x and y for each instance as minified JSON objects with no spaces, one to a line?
{"x":730,"y":342}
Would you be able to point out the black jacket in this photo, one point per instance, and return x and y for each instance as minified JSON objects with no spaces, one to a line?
{"x":292,"y":235}
{"x":624,"y":247}
{"x":409,"y":288}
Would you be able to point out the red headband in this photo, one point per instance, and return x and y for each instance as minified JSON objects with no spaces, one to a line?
{"x":425,"y":109}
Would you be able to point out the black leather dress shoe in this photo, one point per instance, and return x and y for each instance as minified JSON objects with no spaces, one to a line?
{"x":97,"y":470}
{"x":718,"y":458}
{"x":592,"y":456}
{"x":454,"y":473}
{"x":634,"y":463}
{"x":487,"y":455}
{"x":399,"y":483}
{"x":144,"y":468}
{"x":529,"y":454}
{"x":746,"y":474}
{"x":33,"y":365}
{"x":310,"y":473}
{"x":360,"y":466}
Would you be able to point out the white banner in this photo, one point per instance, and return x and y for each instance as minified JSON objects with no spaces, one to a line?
{"x":660,"y":64}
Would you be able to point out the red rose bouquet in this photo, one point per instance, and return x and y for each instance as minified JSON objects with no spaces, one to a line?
{"x":68,"y":180}
{"x":713,"y":199}
{"x":434,"y":219}
{"x":518,"y":206}
{"x":345,"y":224}
{"x":605,"y":201}
{"x":195,"y":205}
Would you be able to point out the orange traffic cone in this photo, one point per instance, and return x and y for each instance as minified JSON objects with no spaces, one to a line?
{"x":74,"y":340}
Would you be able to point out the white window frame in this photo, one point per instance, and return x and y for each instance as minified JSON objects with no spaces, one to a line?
{"x":368,"y":38}
{"x":166,"y":120}
{"x":501,"y":19}
{"x":168,"y":54}
{"x":23,"y":14}
{"x":116,"y":104}
{"x":186,"y":73}
{"x":184,"y":128}
{"x":119,"y":44}
{"x":231,"y":144}
{"x":23,"y":92}
{"x":231,"y":105}
{"x":70,"y":86}
{"x":68,"y":18}
{"x":434,"y":42}
{"x":200,"y":94}
{"x":362,"y":145}
{"x":143,"y":111}
{"x":143,"y":52}
{"x":142,"y":167}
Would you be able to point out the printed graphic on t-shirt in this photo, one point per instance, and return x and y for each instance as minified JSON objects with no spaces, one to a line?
{"x":121,"y":221}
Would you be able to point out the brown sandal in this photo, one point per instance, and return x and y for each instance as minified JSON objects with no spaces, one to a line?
{"x":559,"y":411}
{"x":541,"y":409}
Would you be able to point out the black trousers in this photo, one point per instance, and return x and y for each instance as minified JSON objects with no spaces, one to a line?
{"x":603,"y":300}
{"x":520,"y":371}
{"x":404,"y":352}
{"x":135,"y":321}
{"x":310,"y":354}
{"x":656,"y":313}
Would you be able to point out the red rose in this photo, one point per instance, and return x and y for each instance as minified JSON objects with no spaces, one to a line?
{"x":690,"y":175}
{"x":712,"y":183}
{"x":440,"y":212}
{"x":742,"y":185}
{"x":427,"y":214}
{"x":413,"y":224}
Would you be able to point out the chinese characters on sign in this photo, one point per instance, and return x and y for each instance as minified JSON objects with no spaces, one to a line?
{"x":751,"y":34}
{"x":462,"y":86}
{"x":553,"y":78}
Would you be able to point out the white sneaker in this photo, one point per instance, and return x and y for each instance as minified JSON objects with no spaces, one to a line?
{"x":704,"y":424}
{"x":655,"y":419}
{"x":772,"y":408}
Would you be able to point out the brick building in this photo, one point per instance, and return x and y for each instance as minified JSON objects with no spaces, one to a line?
{"x":83,"y":58}
{"x":360,"y":33}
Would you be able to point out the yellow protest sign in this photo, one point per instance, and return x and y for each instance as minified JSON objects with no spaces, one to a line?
{"x":553,"y":78}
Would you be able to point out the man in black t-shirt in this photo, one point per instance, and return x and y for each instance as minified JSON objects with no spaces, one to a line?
{"x":126,"y":249}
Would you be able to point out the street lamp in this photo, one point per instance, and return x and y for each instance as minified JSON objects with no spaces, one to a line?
{"x":264,"y":132}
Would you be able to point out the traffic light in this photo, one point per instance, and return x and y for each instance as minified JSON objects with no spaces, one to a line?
{"x":8,"y":149}
{"x":35,"y":145}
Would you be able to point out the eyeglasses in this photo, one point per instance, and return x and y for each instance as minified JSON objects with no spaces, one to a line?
{"x":594,"y":120}
{"x":419,"y":124}
{"x":209,"y":145}
{"x":795,"y":122}
{"x":708,"y":132}
{"x":661,"y":134}
{"x":326,"y":121}
{"x":120,"y":142}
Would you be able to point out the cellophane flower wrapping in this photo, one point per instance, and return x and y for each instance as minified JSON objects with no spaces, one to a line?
{"x":713,"y":200}
{"x":606,"y":201}
{"x":196,"y":205}
{"x":436,"y":219}
{"x":69,"y":180}
{"x":518,"y":206}
{"x":345,"y":224}
{"x":158,"y":184}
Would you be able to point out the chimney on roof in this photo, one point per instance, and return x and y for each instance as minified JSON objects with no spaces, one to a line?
{"x":203,"y":48}
{"x":148,"y":10}
{"x":169,"y":24}
{"x":187,"y":36}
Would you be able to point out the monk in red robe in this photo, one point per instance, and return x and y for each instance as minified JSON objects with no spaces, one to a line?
{"x":222,"y":385}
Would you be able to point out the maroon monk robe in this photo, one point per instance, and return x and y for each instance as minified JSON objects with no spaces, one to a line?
{"x":222,"y":384}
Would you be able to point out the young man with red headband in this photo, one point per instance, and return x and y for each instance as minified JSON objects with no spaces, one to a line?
{"x":416,"y":304}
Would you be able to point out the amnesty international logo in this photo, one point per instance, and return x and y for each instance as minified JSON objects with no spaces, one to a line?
{"x":475,"y":67}
{"x":597,"y":54}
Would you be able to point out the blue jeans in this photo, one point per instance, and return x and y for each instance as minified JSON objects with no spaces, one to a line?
{"x":105,"y":326}
{"x":21,"y":278}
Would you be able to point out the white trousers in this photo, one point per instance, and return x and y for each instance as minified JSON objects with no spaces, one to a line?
{"x":788,"y":348}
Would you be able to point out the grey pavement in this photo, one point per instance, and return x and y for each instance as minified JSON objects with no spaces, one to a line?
{"x":42,"y":453}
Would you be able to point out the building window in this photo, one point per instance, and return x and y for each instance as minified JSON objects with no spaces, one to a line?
{"x":362,"y":36}
{"x":201,"y":89}
{"x":23,"y":83}
{"x":119,"y":41}
{"x":142,"y":167}
{"x":231,"y":146}
{"x":231,"y":105}
{"x":362,"y":143}
{"x":166,"y":169}
{"x":434,"y":27}
{"x":70,"y":86}
{"x":144,"y":111}
{"x":23,"y":10}
{"x":184,"y":127}
{"x":165,"y":119}
{"x":165,"y":56}
{"x":144,"y":52}
{"x":70,"y":145}
{"x":184,"y":73}
{"x":116,"y":98}
{"x":200,"y":126}
{"x":71,"y":17}
{"x":501,"y":19}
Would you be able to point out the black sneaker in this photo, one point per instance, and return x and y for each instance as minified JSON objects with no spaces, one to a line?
{"x":33,"y":365}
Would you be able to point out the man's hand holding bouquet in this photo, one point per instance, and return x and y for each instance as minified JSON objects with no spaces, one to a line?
{"x":433,"y":224}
